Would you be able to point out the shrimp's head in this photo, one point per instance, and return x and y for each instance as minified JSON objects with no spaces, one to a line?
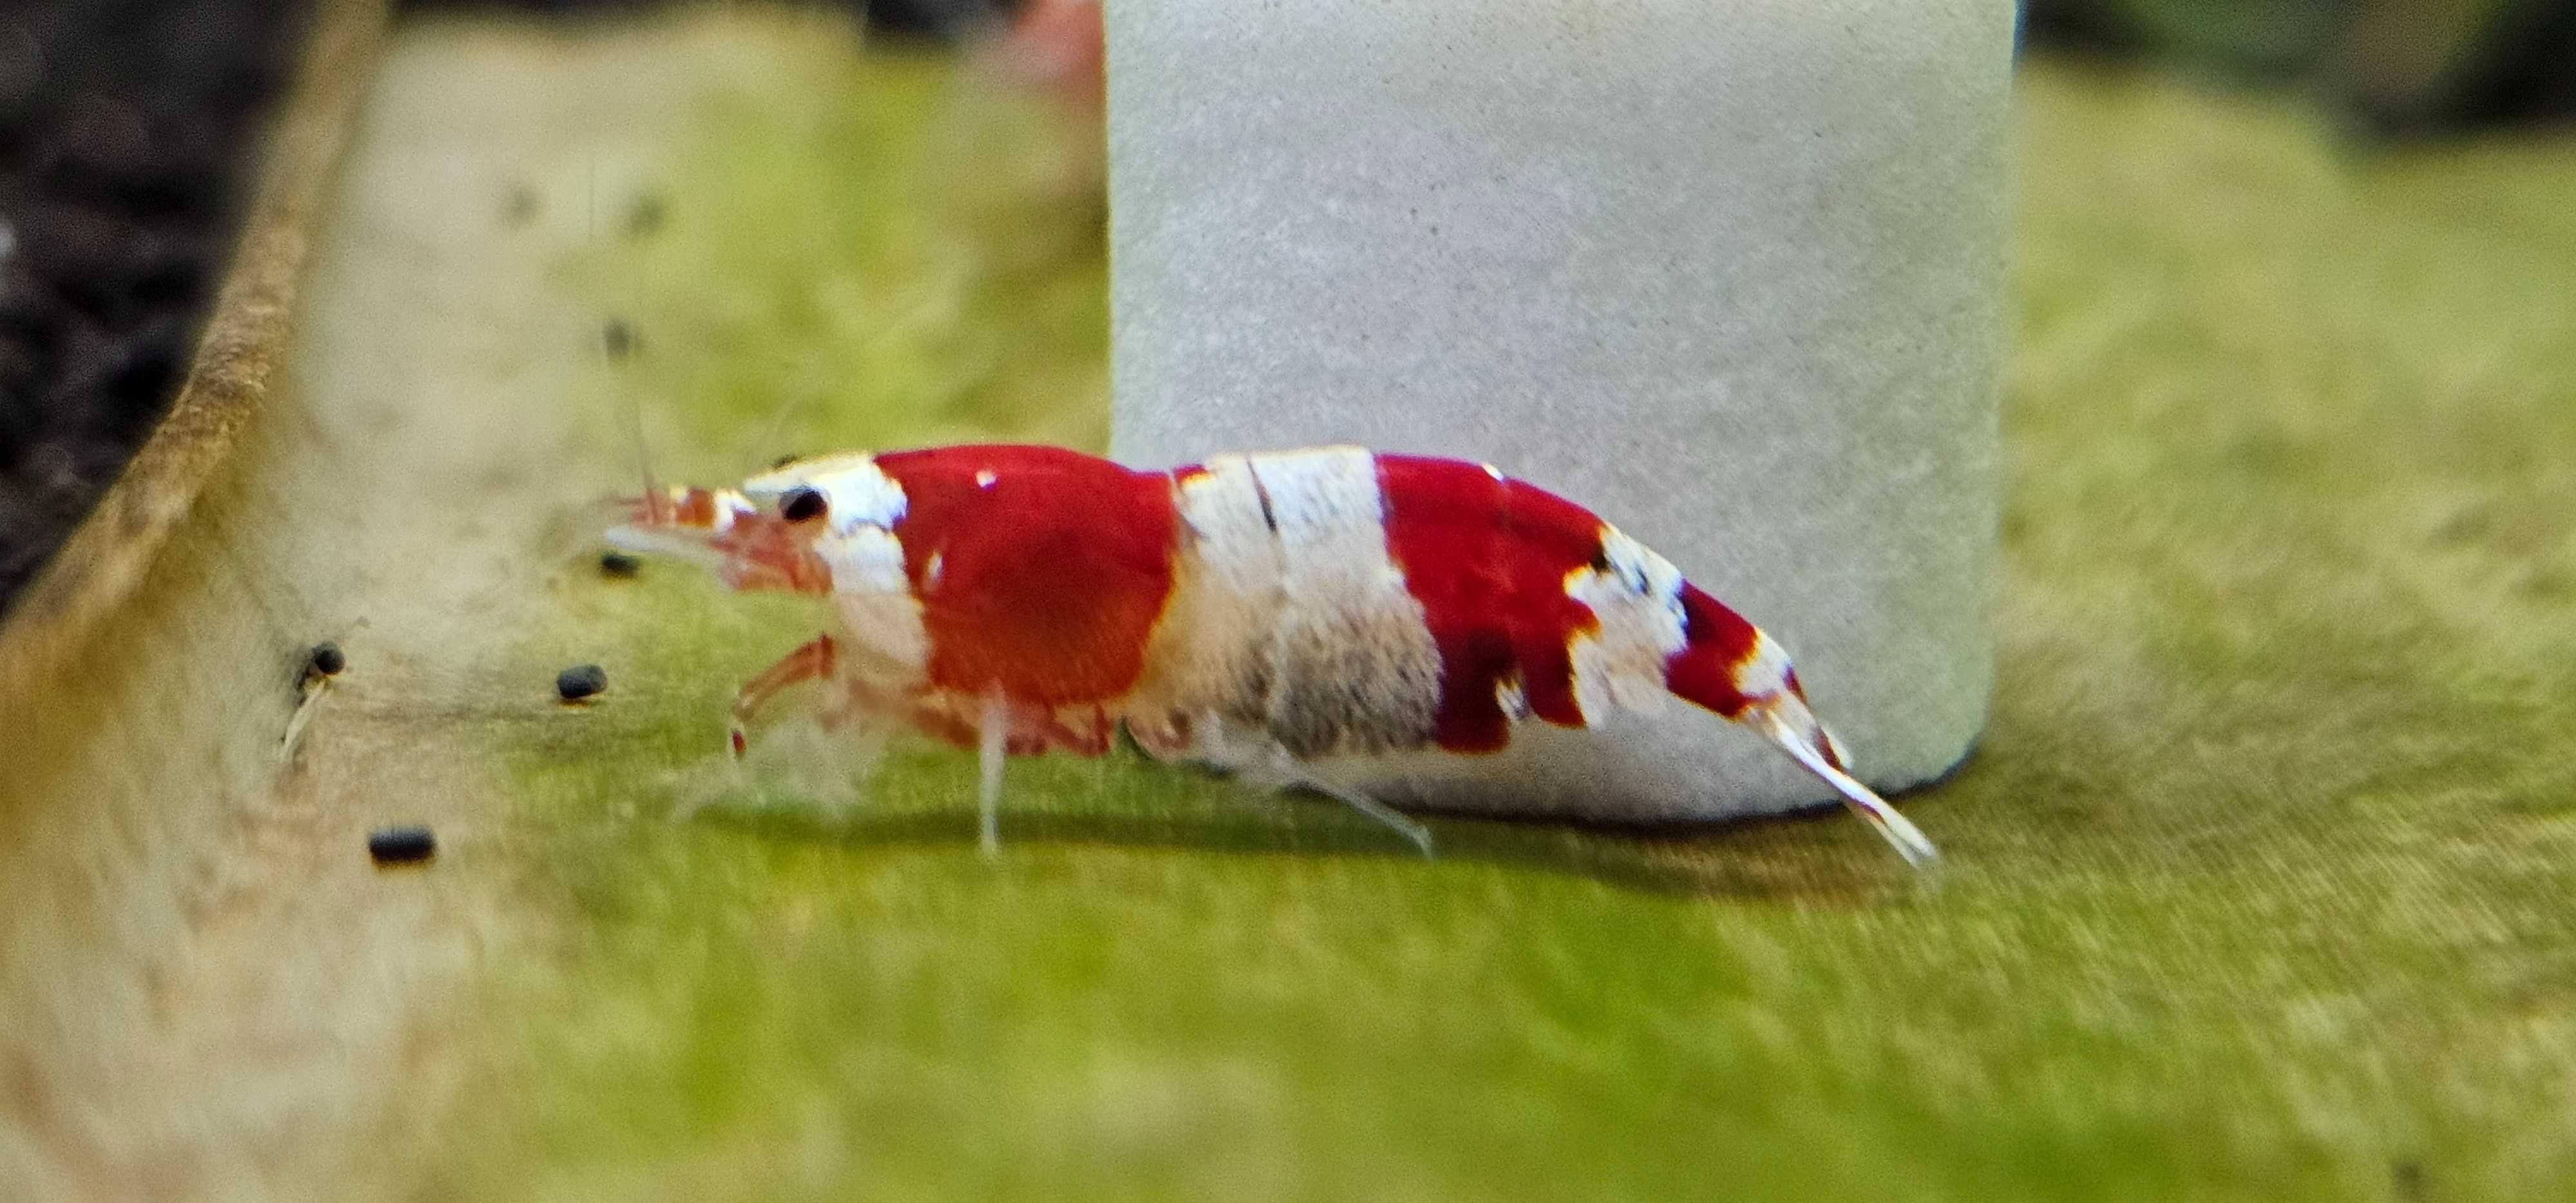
{"x":806,"y":526}
{"x":750,"y":546}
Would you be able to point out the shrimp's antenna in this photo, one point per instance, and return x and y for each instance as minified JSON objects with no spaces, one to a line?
{"x":769,"y":436}
{"x":616,"y":342}
{"x":656,"y":502}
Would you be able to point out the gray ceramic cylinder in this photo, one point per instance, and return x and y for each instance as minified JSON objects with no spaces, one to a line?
{"x":1725,"y":273}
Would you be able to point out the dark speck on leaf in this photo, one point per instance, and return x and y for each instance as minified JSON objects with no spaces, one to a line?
{"x":618,"y":337}
{"x":401,"y":845}
{"x":580,"y":681}
{"x":618,"y":563}
{"x":327,"y":659}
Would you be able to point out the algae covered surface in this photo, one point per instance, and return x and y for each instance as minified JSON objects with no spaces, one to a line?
{"x":2257,"y":887}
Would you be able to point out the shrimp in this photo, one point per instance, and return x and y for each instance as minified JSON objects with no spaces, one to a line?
{"x":1261,"y":613}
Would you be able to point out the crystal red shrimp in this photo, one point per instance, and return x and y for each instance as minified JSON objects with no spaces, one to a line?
{"x":1259,"y":613}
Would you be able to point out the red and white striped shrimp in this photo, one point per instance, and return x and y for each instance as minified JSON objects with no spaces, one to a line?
{"x":1265,"y":613}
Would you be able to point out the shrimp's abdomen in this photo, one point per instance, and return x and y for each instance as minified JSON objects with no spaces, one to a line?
{"x":1488,"y":557}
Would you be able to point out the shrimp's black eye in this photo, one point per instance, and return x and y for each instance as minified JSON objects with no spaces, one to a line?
{"x":798,"y":505}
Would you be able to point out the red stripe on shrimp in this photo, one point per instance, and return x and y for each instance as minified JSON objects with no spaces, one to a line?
{"x":1717,"y":644}
{"x":1038,"y":569}
{"x":1487,"y":557}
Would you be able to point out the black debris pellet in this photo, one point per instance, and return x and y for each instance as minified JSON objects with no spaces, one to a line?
{"x":521,"y":206}
{"x":618,"y":563}
{"x":401,"y":845}
{"x":618,"y":338}
{"x":327,"y":659}
{"x":580,"y":681}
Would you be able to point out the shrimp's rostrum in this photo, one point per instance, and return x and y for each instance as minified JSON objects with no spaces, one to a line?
{"x":1254,"y":612}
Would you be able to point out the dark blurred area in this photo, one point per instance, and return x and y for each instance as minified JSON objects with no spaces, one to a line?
{"x":2400,"y":67}
{"x":126,"y":137}
{"x":120,"y":178}
{"x":923,"y":18}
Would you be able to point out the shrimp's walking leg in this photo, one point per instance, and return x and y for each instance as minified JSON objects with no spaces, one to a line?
{"x":995,"y":747}
{"x":812,"y":660}
{"x":1380,"y":811}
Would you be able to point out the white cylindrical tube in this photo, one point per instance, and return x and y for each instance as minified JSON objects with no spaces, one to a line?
{"x":1726,"y":273}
